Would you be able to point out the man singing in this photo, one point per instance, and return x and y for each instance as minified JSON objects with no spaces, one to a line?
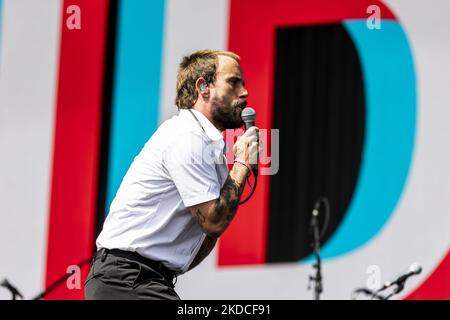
{"x":177,"y":197}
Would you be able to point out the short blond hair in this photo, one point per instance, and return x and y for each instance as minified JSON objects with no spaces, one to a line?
{"x":202,"y":63}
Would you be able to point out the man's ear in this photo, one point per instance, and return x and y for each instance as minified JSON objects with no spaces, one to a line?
{"x":202,"y":86}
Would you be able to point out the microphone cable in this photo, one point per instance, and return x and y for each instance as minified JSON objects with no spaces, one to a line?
{"x":327,"y":218}
{"x":253,"y":188}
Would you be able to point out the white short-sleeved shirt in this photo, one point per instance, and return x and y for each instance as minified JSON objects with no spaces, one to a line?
{"x":182,"y":164}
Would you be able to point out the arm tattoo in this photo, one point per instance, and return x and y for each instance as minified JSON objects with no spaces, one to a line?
{"x":200,"y":217}
{"x":207,"y":246}
{"x":224,"y":208}
{"x":228,"y":202}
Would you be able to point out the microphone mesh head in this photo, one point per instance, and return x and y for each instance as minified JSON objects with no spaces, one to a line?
{"x":248,"y":114}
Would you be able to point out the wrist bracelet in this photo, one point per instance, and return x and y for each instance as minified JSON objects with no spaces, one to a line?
{"x":249,"y":169}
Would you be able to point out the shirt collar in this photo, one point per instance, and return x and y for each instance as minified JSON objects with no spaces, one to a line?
{"x":211,"y":131}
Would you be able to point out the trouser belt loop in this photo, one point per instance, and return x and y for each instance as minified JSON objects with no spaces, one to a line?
{"x":104,"y":254}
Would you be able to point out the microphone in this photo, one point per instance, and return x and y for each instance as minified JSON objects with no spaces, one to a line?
{"x":248,"y":116}
{"x":414,"y":269}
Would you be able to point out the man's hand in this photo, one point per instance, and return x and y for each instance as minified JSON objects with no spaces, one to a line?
{"x":246,"y":147}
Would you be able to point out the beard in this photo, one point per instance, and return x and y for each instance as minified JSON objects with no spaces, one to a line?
{"x":228,"y":116}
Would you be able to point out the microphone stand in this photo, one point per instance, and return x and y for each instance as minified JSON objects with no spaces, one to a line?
{"x":367,"y":292}
{"x":400,"y":285}
{"x":14,"y":292}
{"x":60,"y":281}
{"x":317,"y":278}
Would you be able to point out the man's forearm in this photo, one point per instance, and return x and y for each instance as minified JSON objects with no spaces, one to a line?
{"x":225,"y":207}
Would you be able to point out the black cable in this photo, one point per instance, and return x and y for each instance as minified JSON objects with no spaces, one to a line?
{"x":253,"y":190}
{"x":60,"y":281}
{"x":325,"y":201}
{"x":326,"y":223}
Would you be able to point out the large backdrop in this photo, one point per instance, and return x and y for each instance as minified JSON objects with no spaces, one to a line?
{"x":361,"y":106}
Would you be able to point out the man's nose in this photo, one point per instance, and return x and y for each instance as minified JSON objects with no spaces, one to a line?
{"x":244,"y":93}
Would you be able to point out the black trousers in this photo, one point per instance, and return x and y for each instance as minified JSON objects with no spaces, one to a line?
{"x":119,"y":275}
